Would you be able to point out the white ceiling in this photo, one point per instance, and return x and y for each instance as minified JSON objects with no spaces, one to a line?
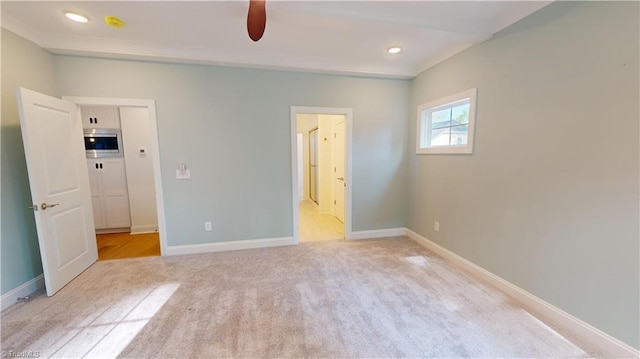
{"x":324,"y":36}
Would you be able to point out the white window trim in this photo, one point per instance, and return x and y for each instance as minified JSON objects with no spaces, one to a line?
{"x":471,"y":94}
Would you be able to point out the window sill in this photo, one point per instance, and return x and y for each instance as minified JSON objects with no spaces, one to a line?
{"x":449,"y":150}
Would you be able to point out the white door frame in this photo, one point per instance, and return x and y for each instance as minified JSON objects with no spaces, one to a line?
{"x":155,"y":153}
{"x":348,"y":113}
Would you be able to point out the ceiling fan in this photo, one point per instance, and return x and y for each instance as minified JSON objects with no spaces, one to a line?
{"x":256,"y":19}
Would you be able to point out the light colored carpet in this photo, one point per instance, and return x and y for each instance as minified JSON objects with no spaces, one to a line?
{"x":376,"y":298}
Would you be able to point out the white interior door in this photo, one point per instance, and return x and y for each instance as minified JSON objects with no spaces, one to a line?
{"x":58,"y":177}
{"x":339,"y":158}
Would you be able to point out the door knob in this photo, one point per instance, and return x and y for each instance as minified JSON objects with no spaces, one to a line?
{"x":45,"y":206}
{"x":340,"y":178}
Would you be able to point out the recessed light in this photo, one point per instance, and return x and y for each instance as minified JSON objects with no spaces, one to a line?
{"x":76,"y":17}
{"x":394,"y":50}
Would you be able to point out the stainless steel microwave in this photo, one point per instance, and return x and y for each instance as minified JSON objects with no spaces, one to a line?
{"x":100,"y":143}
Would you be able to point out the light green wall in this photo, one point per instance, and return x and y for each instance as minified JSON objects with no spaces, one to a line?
{"x":549,"y":199}
{"x":27,"y":65}
{"x":231,"y":126}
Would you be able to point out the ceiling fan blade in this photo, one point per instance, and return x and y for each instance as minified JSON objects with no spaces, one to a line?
{"x":256,"y":19}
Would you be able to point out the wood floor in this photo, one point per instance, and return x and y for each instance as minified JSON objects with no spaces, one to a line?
{"x":316,"y":226}
{"x":126,"y":245}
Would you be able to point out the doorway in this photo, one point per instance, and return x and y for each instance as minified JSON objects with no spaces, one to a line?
{"x":143,"y":233}
{"x":322,"y":207}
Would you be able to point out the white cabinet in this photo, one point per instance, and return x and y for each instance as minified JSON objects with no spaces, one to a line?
{"x":99,"y":218}
{"x":100,"y":117}
{"x":109,"y":194}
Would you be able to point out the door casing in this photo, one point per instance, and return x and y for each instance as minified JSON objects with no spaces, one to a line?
{"x":348,"y":113}
{"x":150,"y":105}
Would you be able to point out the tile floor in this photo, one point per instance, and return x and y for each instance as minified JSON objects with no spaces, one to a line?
{"x":316,"y":226}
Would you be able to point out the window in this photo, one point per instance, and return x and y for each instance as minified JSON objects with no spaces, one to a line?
{"x":445,"y":126}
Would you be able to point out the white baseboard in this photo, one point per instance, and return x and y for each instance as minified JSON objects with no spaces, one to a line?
{"x":144,"y":229}
{"x":378,"y":233}
{"x":113,"y":230}
{"x":609,"y":345}
{"x":11,"y":297}
{"x":229,"y":246}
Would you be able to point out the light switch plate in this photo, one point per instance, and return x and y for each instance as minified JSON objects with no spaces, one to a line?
{"x":186,"y":174}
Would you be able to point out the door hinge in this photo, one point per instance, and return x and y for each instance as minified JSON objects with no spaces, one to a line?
{"x":334,"y":169}
{"x":334,"y":135}
{"x":334,"y":201}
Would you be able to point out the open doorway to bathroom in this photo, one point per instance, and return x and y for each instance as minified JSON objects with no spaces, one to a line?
{"x":321,"y":162}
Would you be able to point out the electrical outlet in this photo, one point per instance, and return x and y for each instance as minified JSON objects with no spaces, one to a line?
{"x":207,"y":226}
{"x":182,"y":173}
{"x":436,"y":226}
